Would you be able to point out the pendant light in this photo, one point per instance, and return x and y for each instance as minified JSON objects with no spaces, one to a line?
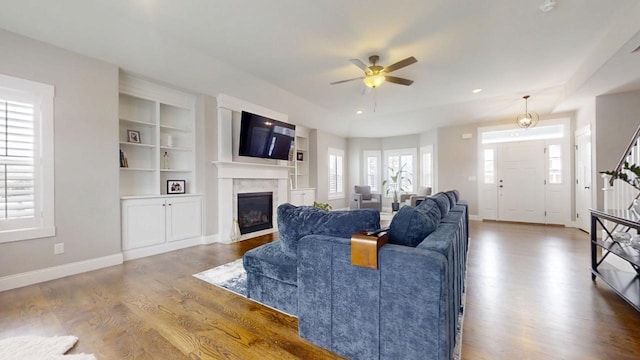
{"x":527,"y":119}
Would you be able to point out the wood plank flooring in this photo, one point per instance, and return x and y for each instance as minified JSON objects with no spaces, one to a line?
{"x":529,"y":296}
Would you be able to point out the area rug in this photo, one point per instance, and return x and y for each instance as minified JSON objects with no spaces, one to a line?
{"x":40,"y":348}
{"x":230,"y":276}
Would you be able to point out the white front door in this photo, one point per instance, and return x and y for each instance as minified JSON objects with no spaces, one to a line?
{"x":583,"y":177}
{"x":521,"y":182}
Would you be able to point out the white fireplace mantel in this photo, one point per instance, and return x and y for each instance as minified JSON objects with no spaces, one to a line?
{"x":240,"y":170}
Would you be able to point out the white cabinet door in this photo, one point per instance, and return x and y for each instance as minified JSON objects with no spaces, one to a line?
{"x":302,"y":197}
{"x":143,"y":222}
{"x":184,"y":218}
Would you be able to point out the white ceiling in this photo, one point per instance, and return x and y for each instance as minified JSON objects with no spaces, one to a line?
{"x":283,"y":54}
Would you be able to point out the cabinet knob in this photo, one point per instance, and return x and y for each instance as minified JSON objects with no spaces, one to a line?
{"x":164,"y":205}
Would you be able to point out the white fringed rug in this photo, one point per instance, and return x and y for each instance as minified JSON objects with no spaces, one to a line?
{"x":40,"y":348}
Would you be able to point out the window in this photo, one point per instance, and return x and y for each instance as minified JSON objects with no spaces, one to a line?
{"x":555,"y":164}
{"x":489,"y":167}
{"x":336,"y":169}
{"x":396,"y":159}
{"x":372,"y":169}
{"x":427,"y":166}
{"x":26,"y":159}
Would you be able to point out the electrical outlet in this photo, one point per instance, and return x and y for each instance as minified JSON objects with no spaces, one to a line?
{"x":58,"y":248}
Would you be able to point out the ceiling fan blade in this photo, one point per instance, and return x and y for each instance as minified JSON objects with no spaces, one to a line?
{"x":397,"y":80}
{"x":344,"y":81}
{"x":360,"y":64}
{"x":400,"y":64}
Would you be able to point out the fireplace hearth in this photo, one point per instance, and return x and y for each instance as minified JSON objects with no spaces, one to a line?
{"x":255,"y":211}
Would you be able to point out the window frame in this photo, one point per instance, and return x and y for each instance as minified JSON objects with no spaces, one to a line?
{"x":426,"y":172}
{"x":338,"y":153}
{"x":41,"y":96}
{"x":366,"y":155}
{"x":401,"y":152}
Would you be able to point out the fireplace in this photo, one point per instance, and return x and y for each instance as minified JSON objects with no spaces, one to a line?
{"x":255,"y":211}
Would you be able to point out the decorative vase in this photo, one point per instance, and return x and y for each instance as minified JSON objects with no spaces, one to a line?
{"x":165,"y":160}
{"x":234,"y":234}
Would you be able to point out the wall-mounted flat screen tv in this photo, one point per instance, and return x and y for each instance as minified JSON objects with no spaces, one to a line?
{"x":265,"y":138}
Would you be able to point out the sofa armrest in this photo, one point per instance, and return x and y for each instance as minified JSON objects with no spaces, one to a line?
{"x":376,"y":197}
{"x":355,"y":201}
{"x":402,"y":310}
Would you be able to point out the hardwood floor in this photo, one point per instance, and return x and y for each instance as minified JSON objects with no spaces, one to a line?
{"x":529,"y":296}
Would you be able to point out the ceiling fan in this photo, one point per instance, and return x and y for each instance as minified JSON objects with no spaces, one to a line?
{"x":375,"y":74}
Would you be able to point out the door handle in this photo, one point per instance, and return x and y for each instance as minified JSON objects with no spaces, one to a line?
{"x":587,"y":187}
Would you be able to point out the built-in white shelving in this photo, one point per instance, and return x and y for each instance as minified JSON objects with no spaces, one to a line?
{"x":154,"y":121}
{"x":162,"y":121}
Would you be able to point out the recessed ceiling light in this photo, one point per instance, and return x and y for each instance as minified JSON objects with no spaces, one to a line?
{"x":476,"y":91}
{"x":359,"y":112}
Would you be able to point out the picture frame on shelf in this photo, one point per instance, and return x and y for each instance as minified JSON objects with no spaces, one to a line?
{"x":176,"y":186}
{"x":133,"y":136}
{"x":300,"y":156}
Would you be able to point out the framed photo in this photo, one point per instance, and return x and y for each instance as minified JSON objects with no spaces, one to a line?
{"x":300,"y":156}
{"x":133,"y":136}
{"x":176,"y":186}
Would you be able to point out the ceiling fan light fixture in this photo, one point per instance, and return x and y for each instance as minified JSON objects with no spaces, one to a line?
{"x":374,"y":80}
{"x":527,"y":119}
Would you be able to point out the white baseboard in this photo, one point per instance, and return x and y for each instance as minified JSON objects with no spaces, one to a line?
{"x":216,"y":238}
{"x":56,"y":272}
{"x":211,"y":239}
{"x":475,"y":218}
{"x":162,"y":248}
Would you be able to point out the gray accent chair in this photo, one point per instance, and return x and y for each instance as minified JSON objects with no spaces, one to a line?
{"x":363,"y":198}
{"x":423,"y":193}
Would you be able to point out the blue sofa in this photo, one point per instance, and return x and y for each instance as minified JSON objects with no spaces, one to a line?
{"x":272,"y":269}
{"x":407,"y":309}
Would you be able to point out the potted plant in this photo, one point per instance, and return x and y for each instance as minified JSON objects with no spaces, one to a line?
{"x":395,"y":184}
{"x":623,"y":175}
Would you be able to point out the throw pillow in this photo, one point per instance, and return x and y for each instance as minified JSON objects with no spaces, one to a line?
{"x":424,"y":191}
{"x":296,"y":222}
{"x":364,"y":190}
{"x":452,"y":198}
{"x":410,"y":226}
{"x":443,"y":203}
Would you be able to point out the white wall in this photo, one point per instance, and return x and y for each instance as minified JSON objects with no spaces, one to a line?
{"x":354,"y":156}
{"x":457,"y":163}
{"x":319,"y":170}
{"x":617,"y":118}
{"x":431,"y":138}
{"x":87,"y":206}
{"x":210,"y":119}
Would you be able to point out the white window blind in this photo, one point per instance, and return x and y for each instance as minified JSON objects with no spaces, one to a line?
{"x":372,"y":167}
{"x":26,"y":159}
{"x":336,"y":180}
{"x":17,"y":189}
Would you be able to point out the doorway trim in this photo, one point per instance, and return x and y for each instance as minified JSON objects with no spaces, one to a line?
{"x":567,"y":169}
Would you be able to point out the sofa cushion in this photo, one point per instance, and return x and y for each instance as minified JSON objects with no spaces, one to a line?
{"x":364,"y":190}
{"x":443,"y":202}
{"x":296,"y":222}
{"x":452,"y":198}
{"x":411,"y":225}
{"x":269,"y":260}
